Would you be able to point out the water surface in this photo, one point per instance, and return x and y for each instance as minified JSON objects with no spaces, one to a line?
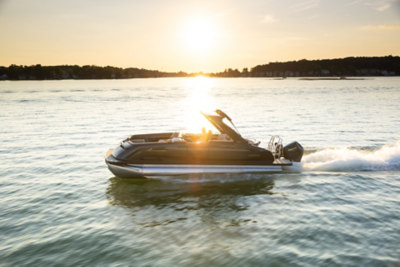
{"x":61,"y":206}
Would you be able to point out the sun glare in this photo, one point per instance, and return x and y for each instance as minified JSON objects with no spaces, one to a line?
{"x":200,"y":35}
{"x":198,"y":99}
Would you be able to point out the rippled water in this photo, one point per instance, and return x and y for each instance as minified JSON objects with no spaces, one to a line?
{"x":60,"y":205}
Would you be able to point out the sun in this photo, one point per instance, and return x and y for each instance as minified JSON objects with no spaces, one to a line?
{"x":200,"y":35}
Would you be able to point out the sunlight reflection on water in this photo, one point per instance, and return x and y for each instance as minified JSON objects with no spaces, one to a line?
{"x":198,"y":99}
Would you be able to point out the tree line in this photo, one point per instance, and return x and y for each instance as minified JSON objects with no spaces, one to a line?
{"x":350,"y":66}
{"x":39,"y":72}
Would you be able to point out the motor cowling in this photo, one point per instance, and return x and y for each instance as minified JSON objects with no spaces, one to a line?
{"x":293,"y":151}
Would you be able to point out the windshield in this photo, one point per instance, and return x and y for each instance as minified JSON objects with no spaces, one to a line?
{"x":230,"y":125}
{"x":196,"y":123}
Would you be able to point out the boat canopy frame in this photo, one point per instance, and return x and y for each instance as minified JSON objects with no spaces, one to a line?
{"x":217,"y":121}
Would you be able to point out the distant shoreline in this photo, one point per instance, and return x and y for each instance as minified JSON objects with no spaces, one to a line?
{"x":265,"y":78}
{"x":307,"y":69}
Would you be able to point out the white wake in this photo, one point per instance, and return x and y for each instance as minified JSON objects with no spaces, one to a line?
{"x":346,"y":159}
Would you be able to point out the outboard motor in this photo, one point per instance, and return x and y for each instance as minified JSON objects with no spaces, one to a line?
{"x":293,"y":151}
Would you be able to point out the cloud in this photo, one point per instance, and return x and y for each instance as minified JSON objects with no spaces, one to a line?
{"x":304,"y":5}
{"x":381,"y":5}
{"x":354,"y":2}
{"x":389,"y":27}
{"x":268,"y":19}
{"x":382,"y":27}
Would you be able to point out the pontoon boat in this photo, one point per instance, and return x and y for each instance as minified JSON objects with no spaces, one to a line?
{"x":175,"y":153}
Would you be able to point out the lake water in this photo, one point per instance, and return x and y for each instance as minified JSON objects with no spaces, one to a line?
{"x":60,"y":205}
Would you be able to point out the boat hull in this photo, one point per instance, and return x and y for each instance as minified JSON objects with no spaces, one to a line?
{"x":143,"y":171}
{"x":150,"y":170}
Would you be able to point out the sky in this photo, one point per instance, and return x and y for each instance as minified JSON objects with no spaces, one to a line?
{"x":194,"y":36}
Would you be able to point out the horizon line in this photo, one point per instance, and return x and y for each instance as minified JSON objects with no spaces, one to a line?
{"x":199,"y":72}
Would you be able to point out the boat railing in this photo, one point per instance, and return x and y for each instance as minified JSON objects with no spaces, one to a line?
{"x":275,"y":146}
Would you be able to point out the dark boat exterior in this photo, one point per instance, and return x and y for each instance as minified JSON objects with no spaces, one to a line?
{"x":173,"y":153}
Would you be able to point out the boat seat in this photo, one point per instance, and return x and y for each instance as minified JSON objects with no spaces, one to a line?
{"x":221,"y":141}
{"x":223,"y":137}
{"x":137,"y":140}
{"x":174,"y":135}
